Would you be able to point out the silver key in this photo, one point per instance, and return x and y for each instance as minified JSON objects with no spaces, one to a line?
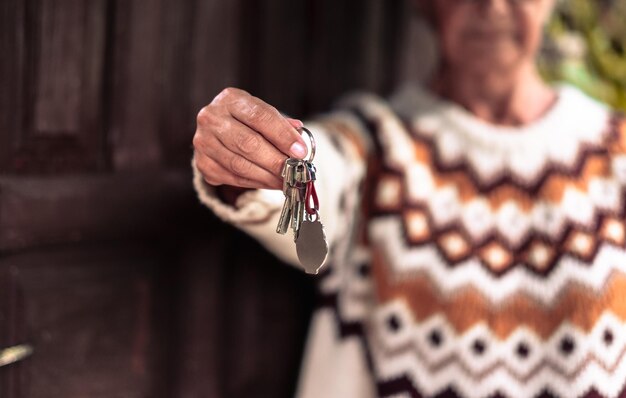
{"x":295,"y":175}
{"x":297,"y":201}
{"x":285,"y":217}
{"x":302,"y":177}
{"x":288,"y":173}
{"x":288,"y":182}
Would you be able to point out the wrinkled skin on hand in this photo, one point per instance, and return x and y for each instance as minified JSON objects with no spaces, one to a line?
{"x":242,"y":141}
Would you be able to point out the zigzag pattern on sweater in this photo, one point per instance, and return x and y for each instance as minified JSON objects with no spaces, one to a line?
{"x":466,"y":295}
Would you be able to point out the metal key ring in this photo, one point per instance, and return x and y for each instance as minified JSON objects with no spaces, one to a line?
{"x":312,"y":140}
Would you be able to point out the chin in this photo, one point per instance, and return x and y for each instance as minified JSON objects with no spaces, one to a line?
{"x":488,"y":61}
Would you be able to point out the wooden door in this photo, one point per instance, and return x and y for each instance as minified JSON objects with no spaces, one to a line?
{"x":122,"y":284}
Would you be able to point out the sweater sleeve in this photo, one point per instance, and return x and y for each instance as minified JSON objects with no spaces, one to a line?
{"x":342,"y":149}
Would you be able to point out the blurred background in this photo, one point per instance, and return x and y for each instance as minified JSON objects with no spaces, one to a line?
{"x":110,"y":270}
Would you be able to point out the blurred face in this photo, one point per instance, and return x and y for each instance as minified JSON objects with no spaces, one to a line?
{"x":488,"y":34}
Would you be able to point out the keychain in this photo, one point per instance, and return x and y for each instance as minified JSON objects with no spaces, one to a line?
{"x":301,"y":210}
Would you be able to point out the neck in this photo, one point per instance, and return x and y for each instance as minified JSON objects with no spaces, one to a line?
{"x":506,"y":98}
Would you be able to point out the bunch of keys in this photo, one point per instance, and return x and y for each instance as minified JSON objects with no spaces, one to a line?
{"x":302,"y":215}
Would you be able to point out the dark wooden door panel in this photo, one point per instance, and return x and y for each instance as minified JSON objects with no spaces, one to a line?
{"x":70,"y":44}
{"x":37,"y":211}
{"x":97,"y":323}
{"x":243,"y":326}
{"x":54,"y":80}
{"x":136,"y":81}
{"x":12,"y":332}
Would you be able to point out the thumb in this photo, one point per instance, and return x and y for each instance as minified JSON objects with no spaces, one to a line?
{"x":295,"y":123}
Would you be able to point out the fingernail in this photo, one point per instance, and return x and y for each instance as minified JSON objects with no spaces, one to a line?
{"x":298,"y":150}
{"x":297,"y":123}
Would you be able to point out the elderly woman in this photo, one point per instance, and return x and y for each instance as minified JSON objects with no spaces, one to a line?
{"x":476,"y":223}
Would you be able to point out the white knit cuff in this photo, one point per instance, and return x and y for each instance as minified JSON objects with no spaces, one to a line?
{"x":252,"y":207}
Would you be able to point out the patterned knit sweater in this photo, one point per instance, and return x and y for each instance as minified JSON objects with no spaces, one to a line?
{"x":467,"y":259}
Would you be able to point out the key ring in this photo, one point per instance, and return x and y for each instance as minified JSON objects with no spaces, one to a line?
{"x":312,"y":140}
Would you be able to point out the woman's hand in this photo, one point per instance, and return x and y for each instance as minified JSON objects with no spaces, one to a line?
{"x":242,"y":141}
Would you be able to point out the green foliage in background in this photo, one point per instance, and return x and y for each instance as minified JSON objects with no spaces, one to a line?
{"x":586,"y":45}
